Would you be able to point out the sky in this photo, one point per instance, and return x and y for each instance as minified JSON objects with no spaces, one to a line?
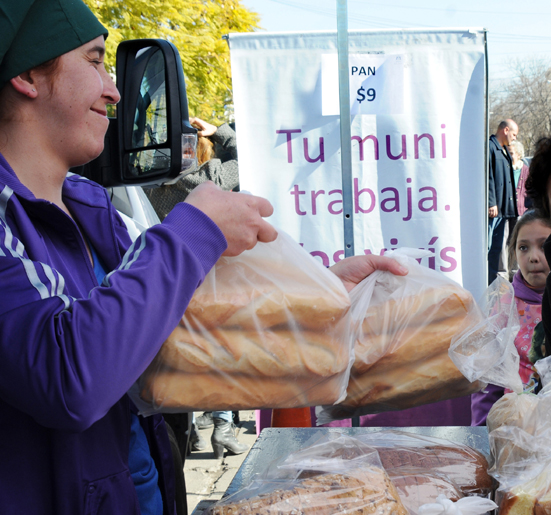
{"x":518,"y":32}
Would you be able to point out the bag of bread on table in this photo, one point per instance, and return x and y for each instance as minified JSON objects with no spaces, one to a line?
{"x":519,"y":428}
{"x":455,"y":467}
{"x":522,"y":465}
{"x":417,"y":466}
{"x":337,"y":475}
{"x":266,"y":329}
{"x":408,"y":325}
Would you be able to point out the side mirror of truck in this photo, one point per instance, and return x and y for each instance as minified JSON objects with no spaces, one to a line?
{"x":150,"y":142}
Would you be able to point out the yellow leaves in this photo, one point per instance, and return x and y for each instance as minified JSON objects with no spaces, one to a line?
{"x":196,"y":28}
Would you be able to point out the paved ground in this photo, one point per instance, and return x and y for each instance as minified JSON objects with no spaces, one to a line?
{"x":208,"y":478}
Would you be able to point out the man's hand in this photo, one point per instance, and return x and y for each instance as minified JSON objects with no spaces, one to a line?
{"x":492,"y":212}
{"x":355,"y":269}
{"x":238,"y":215}
{"x":205,"y":129}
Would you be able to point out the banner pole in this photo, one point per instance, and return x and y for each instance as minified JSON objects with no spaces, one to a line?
{"x":346,"y":150}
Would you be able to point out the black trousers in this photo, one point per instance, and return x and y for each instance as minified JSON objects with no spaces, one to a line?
{"x":178,"y":426}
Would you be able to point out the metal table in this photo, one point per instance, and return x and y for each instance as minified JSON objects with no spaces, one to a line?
{"x":273,"y":443}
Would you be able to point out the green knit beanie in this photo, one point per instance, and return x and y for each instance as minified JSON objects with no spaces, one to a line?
{"x":35,"y":31}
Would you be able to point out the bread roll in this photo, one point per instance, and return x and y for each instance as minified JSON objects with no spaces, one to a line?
{"x":175,"y":391}
{"x":406,"y":386}
{"x":426,"y":306}
{"x":405,"y":345}
{"x":223,"y":292}
{"x":365,"y":491}
{"x":256,"y":293}
{"x":259,"y":354}
{"x":408,"y":364}
{"x":308,"y":309}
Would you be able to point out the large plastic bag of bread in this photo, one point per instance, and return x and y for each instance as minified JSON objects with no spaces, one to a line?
{"x":407,"y":324}
{"x":416,"y":481}
{"x":269,"y":328}
{"x":316,"y":480}
{"x":519,"y":428}
{"x":423,"y":338}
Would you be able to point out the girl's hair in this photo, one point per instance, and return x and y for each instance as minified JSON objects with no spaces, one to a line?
{"x":538,"y":177}
{"x":205,"y":150}
{"x":528,"y":217}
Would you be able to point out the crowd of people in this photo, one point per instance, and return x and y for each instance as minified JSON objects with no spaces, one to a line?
{"x":520,"y":228}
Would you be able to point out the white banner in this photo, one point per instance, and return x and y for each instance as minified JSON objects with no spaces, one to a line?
{"x":417,"y":100}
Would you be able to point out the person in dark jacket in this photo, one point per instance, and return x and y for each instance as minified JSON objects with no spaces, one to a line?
{"x":502,"y":206}
{"x":216,"y":162}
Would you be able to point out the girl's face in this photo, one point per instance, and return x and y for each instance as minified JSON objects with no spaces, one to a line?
{"x":76,"y":108}
{"x":529,"y":252}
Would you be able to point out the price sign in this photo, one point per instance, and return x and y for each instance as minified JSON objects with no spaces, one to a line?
{"x":376,"y":84}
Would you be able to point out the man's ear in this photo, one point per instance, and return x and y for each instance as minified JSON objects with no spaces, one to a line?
{"x":24,"y":84}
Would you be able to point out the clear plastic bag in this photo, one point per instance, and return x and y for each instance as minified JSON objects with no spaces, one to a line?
{"x":267,"y":329}
{"x":463,"y":466}
{"x":520,"y":444}
{"x":465,"y":506}
{"x":405,"y":328}
{"x":486,"y":351}
{"x":336,"y":475}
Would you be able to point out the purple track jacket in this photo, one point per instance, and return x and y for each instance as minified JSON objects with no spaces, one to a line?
{"x":70,"y":349}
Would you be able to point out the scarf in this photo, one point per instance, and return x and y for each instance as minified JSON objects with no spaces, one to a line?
{"x":524,"y":292}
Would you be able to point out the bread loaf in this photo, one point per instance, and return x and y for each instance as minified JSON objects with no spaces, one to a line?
{"x":260,"y":354}
{"x":408,"y":364}
{"x":529,"y":497}
{"x":366,"y":491}
{"x":215,"y":391}
{"x":513,"y":410}
{"x":255,"y":294}
{"x":428,"y":305}
{"x":404,"y":386}
{"x":465,"y":467}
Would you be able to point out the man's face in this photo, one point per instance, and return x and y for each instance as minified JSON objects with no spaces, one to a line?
{"x":511,"y":134}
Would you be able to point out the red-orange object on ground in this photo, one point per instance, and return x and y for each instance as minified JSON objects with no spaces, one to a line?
{"x":291,"y":417}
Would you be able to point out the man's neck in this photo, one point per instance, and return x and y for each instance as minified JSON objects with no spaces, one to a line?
{"x":502,"y":140}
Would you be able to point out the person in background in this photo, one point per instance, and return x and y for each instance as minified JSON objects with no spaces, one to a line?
{"x":217,"y":162}
{"x":538,"y":189}
{"x":502,"y":206}
{"x":526,"y":249}
{"x":223,"y":436}
{"x":520,"y":171}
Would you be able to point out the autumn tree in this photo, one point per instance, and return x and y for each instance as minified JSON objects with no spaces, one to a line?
{"x":527,"y":100}
{"x":196,"y":27}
